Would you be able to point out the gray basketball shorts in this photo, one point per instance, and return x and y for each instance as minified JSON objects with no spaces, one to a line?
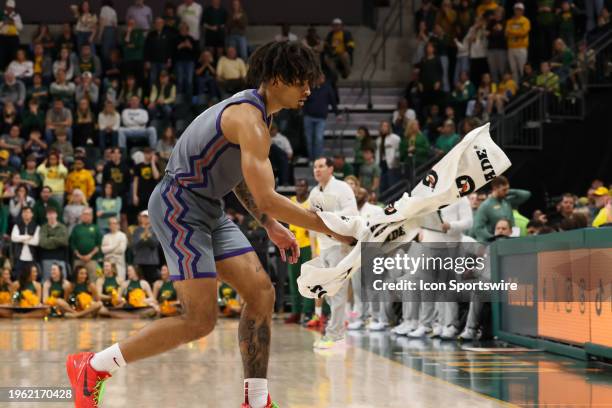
{"x":193,"y":231}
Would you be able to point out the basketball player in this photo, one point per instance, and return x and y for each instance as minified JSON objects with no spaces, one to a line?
{"x":224,"y":149}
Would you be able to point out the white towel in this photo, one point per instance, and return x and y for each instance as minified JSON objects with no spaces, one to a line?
{"x":471,"y":164}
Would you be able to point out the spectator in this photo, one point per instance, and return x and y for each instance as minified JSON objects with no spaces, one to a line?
{"x":53,"y":243}
{"x":563,"y":61}
{"x":505,"y":91}
{"x":10,"y":28}
{"x":5,"y":168}
{"x":315,"y":116}
{"x":135,"y":121}
{"x":214,"y":18}
{"x":528,"y":79}
{"x":43,"y":38}
{"x":447,"y":139}
{"x":477,"y":40}
{"x":185,"y":56}
{"x":33,"y":117}
{"x":486,"y":7}
{"x":414,"y":90}
{"x":107,"y":206}
{"x":280,"y":155}
{"x":132,"y":45}
{"x":38,"y":91}
{"x":162,"y":98}
{"x":314,"y":42}
{"x":85,"y":241}
{"x":362,"y":141}
{"x":117,"y":172}
{"x":12,"y":90}
{"x":441,"y":43}
{"x":141,"y":14}
{"x":25,"y":237}
{"x":425,"y":14}
{"x":64,"y":62}
{"x":87,"y":24}
{"x":21,"y":67}
{"x":84,"y":129}
{"x":171,"y":20}
{"x":66,"y":40}
{"x":231,"y":72}
{"x":145,"y":248}
{"x":146,"y":177}
{"x":342,"y":169}
{"x":431,"y":78}
{"x":465,"y":16}
{"x":462,"y":63}
{"x":14,"y":144}
{"x":108,"y":29}
{"x":20,"y":201}
{"x":42,"y":64}
{"x":414,"y":145}
{"x":114,"y":245}
{"x":604,"y":203}
{"x":44,"y":202}
{"x":63,"y":146}
{"x":236,"y":29}
{"x":31,"y":178}
{"x":517,"y":34}
{"x":53,"y":174}
{"x":129,"y":89}
{"x":58,"y":117}
{"x":497,"y":54}
{"x":499,"y":205}
{"x":87,"y":61}
{"x":9,"y":117}
{"x":534,"y":227}
{"x":164,"y":147}
{"x":340,"y":49}
{"x":281,"y":141}
{"x":577,"y":220}
{"x":387,"y":155}
{"x":206,"y":77}
{"x":503,"y":229}
{"x":77,"y":203}
{"x":546,"y":23}
{"x":108,"y":125}
{"x":548,"y":81}
{"x":369,"y":171}
{"x":566,"y":22}
{"x":62,"y":89}
{"x":190,"y":13}
{"x":285,"y":35}
{"x":401,"y":116}
{"x":80,"y":178}
{"x":158,"y":50}
{"x":87,"y":89}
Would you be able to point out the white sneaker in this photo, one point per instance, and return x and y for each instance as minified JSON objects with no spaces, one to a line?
{"x":356,"y":325}
{"x":419,"y":332}
{"x":404,"y":328}
{"x":437,"y":331}
{"x":328,"y":343}
{"x":469,"y":334}
{"x":376,"y":326}
{"x":449,"y":333}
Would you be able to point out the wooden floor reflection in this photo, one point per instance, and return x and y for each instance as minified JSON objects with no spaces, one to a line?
{"x":207,"y":373}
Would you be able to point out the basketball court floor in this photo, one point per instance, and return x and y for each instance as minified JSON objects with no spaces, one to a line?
{"x":374,"y":370}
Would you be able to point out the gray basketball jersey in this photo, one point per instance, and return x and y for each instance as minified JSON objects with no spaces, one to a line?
{"x":203,"y":160}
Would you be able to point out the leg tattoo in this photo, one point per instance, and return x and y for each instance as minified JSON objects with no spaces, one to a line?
{"x":254,"y":338}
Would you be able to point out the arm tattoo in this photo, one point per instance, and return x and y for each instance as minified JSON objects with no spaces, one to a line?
{"x":246,"y":198}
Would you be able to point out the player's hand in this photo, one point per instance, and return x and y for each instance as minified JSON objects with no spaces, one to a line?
{"x":284,"y":240}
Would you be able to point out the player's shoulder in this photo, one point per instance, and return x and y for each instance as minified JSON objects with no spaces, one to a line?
{"x":241,"y":114}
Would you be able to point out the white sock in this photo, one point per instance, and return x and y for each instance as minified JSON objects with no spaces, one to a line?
{"x":318,"y":310}
{"x":256,"y":392}
{"x":108,"y":359}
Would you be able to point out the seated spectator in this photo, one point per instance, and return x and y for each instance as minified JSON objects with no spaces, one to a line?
{"x":162,"y":98}
{"x":362,"y":141}
{"x":129,"y":89}
{"x":108,"y":125}
{"x":14,"y":144}
{"x":58,"y":117}
{"x":528,"y":79}
{"x":369,"y":171}
{"x":38,"y":91}
{"x":433,"y":123}
{"x":85,"y":241}
{"x":114,"y":245}
{"x":55,"y":289}
{"x":66,"y":39}
{"x":534,"y":227}
{"x":146,"y":177}
{"x":83,"y":296}
{"x":62,"y":89}
{"x":108,"y":286}
{"x":12,"y":90}
{"x":30,"y":177}
{"x":87,"y":89}
{"x":107,"y":207}
{"x":564,"y":208}
{"x":9,"y":117}
{"x":548,"y":81}
{"x":87,"y":62}
{"x":165,"y":145}
{"x":53,"y":242}
{"x":64,"y":62}
{"x":603,"y":202}
{"x":158,"y":50}
{"x":5,"y":168}
{"x":10,"y":188}
{"x":135,"y":120}
{"x":165,"y":294}
{"x":44,"y":202}
{"x":27,"y":282}
{"x":447,"y":139}
{"x":505,"y":91}
{"x":35,"y":146}
{"x":206,"y":75}
{"x":136,"y":284}
{"x":77,"y":202}
{"x":575,"y":221}
{"x":42,"y":64}
{"x":84,"y":129}
{"x":80,"y":178}
{"x":231,"y":73}
{"x":340,"y":45}
{"x":53,"y":174}
{"x":25,"y":237}
{"x":185,"y":56}
{"x":414,"y":145}
{"x":144,"y":248}
{"x":112,"y":69}
{"x":43,"y":38}
{"x":20,"y":200}
{"x":464,"y":91}
{"x":63,"y":146}
{"x":117,"y":172}
{"x":563,"y":60}
{"x":21,"y":68}
{"x":285,"y":35}
{"x":401,"y":116}
{"x":33,"y":117}
{"x":503,"y":229}
{"x":342,"y":169}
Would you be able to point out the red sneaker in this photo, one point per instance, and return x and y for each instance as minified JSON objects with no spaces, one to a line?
{"x":294,"y":318}
{"x":270,"y":404}
{"x":87,"y":383}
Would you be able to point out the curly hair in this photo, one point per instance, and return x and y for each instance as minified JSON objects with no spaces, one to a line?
{"x":289,"y":62}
